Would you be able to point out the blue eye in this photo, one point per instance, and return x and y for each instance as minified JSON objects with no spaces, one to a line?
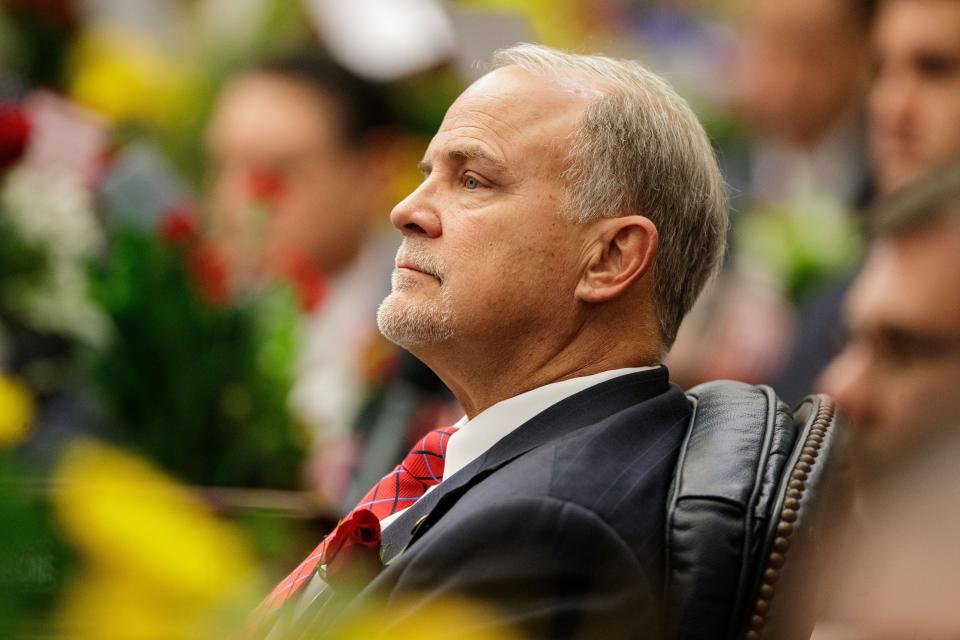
{"x":471,"y":183}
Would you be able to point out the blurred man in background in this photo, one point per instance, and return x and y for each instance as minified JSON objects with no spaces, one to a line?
{"x":915,"y":101}
{"x":313,"y":141}
{"x":891,"y":378}
{"x":301,"y":154}
{"x":899,"y":378}
{"x":800,"y":83}
{"x":913,"y":125}
{"x":899,"y":375}
{"x":801,"y":79}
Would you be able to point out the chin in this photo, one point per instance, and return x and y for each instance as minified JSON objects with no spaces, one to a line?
{"x":414,"y":323}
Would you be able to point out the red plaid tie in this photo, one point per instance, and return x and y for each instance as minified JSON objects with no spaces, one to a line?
{"x":420,"y":470}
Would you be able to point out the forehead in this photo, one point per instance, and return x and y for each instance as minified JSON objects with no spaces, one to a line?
{"x":906,"y":25}
{"x":268,"y":110}
{"x":911,"y":281}
{"x":792,"y":16}
{"x":515,"y":116}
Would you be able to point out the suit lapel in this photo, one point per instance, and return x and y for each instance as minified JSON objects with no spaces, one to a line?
{"x":580,"y":410}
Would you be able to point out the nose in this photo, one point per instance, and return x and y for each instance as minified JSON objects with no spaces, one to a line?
{"x":892,"y":99}
{"x":416,"y":215}
{"x":846,"y":379}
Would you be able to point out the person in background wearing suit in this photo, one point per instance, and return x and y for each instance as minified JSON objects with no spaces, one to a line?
{"x":915,"y":97}
{"x":899,"y":378}
{"x":899,"y":374}
{"x":301,"y":158}
{"x":570,"y":213}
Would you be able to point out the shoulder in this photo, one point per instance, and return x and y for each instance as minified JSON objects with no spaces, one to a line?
{"x":536,"y":554}
{"x":619,"y":470}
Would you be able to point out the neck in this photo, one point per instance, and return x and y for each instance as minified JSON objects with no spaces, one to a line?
{"x":490,"y":374}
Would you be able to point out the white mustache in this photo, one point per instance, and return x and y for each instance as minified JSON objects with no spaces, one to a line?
{"x":421,"y":259}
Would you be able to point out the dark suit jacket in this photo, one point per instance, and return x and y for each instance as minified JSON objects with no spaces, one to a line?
{"x":560,"y":525}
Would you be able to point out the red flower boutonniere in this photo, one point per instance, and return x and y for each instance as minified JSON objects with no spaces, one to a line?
{"x":352,"y":555}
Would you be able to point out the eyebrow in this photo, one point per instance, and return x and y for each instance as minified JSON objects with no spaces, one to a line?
{"x":467,"y":152}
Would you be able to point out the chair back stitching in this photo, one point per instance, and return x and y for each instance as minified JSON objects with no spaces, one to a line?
{"x":789,"y":513}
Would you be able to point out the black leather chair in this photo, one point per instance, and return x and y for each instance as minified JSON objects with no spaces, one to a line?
{"x":744,"y":521}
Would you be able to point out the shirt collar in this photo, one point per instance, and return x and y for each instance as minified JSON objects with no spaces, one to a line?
{"x":474,"y":437}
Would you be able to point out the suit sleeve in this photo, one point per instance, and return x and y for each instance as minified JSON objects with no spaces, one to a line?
{"x":550,"y":568}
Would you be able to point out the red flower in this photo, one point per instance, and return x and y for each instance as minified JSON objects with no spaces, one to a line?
{"x":209,"y":270}
{"x":14,"y":134}
{"x":305,"y":276}
{"x":265,"y":186}
{"x":55,"y":13}
{"x":179,"y":225}
{"x":352,"y":554}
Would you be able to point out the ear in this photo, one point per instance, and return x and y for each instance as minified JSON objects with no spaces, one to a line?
{"x":623,"y":252}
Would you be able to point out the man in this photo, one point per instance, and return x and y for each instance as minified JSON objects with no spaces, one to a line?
{"x":571,"y":212}
{"x":899,"y":378}
{"x":801,"y":162}
{"x":913,"y":126}
{"x":915,"y":99}
{"x":300,"y":157}
{"x":805,"y":124}
{"x":899,"y":375}
{"x":313,"y":137}
{"x":907,"y":288}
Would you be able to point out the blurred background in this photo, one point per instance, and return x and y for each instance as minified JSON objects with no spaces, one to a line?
{"x":194,"y":239}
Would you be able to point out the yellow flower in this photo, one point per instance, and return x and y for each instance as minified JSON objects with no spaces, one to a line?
{"x":97,"y":606}
{"x":125,"y":77}
{"x":17,"y":411}
{"x":154,"y":559}
{"x":415,"y":620}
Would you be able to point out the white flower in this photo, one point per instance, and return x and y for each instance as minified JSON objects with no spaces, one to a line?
{"x":56,"y":213}
{"x":58,"y":216}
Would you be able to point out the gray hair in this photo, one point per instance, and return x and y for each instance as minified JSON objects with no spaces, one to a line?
{"x":925,"y":200}
{"x":639,"y":149}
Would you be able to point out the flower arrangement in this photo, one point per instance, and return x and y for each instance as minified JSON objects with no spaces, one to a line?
{"x":195,"y":377}
{"x":48,"y":230}
{"x":184,"y":371}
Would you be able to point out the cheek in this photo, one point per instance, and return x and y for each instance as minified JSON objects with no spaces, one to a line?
{"x":934,"y":393}
{"x":312,"y":207}
{"x":918,"y":401}
{"x":294,"y":216}
{"x":943,"y":121}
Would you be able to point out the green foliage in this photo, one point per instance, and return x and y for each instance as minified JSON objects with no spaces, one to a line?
{"x":33,"y":558}
{"x":23,"y":265}
{"x":802,"y":245}
{"x":201,"y":388}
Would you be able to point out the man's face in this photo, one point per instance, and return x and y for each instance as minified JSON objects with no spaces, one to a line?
{"x":268,"y":125}
{"x":899,"y":376}
{"x":915,"y":100}
{"x":785,"y":47}
{"x":489,"y":259}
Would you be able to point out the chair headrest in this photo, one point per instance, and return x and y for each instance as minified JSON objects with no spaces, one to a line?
{"x":734,"y":470}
